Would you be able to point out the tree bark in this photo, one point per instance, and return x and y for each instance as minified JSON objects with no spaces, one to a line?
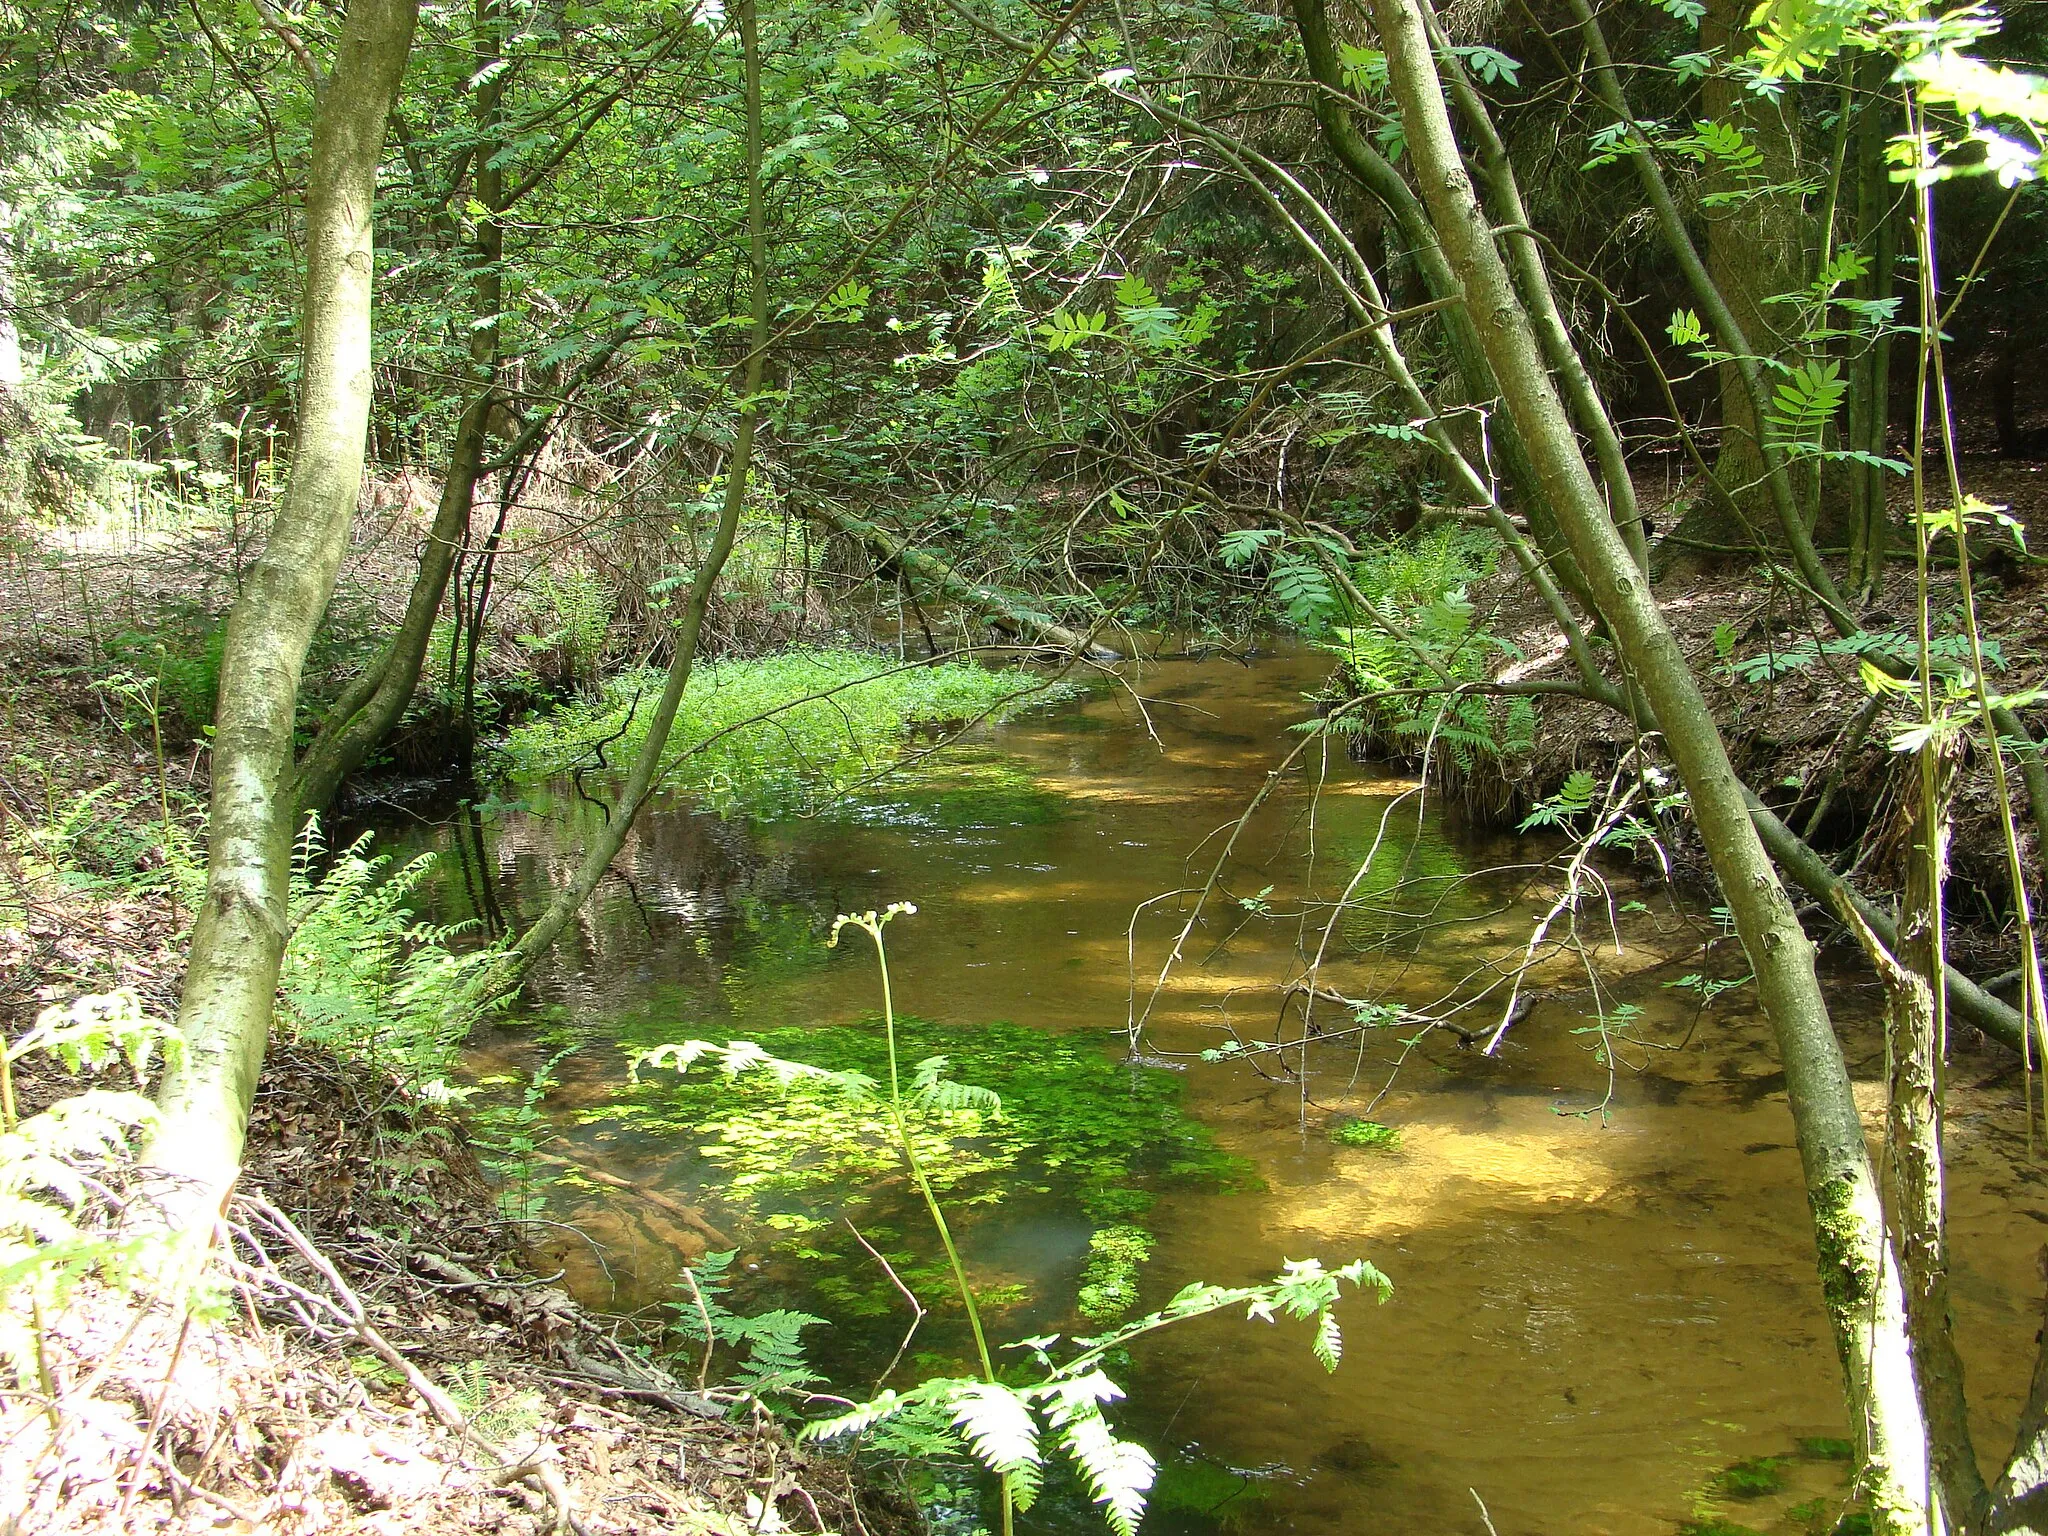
{"x":1539,"y":299}
{"x":239,"y":936}
{"x":1859,"y":1282}
{"x":1913,"y":1145}
{"x":1756,"y":247}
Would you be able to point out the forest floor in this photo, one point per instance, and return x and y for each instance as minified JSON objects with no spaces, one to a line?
{"x":289,"y":1410}
{"x":1790,"y":733}
{"x":381,"y":1359}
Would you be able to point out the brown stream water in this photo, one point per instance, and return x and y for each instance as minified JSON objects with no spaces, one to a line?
{"x":1594,"y":1313}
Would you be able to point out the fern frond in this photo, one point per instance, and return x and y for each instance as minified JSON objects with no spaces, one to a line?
{"x":883,"y":1405}
{"x":930,"y":1090}
{"x":1329,"y":1341}
{"x":1118,"y":1473}
{"x":998,"y":1426}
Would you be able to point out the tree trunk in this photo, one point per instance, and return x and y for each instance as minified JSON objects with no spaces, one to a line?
{"x":12,"y":372}
{"x":1877,"y":225}
{"x":1859,"y":1282}
{"x":1756,"y":247}
{"x":239,"y":936}
{"x":1913,"y":1145}
{"x":365,"y":713}
{"x":1384,"y":183}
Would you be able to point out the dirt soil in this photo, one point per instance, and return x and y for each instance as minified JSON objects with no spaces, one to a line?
{"x":1791,"y":735}
{"x":381,"y":1358}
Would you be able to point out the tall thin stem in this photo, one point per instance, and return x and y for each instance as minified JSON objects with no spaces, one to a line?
{"x":871,"y":924}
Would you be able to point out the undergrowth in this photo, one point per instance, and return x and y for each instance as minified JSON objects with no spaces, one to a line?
{"x":1049,"y":1400}
{"x":779,"y":733}
{"x":1422,"y":631}
{"x":366,"y":981}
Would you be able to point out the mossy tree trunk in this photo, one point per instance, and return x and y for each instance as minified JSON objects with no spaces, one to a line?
{"x":1859,"y":1281}
{"x":239,"y":935}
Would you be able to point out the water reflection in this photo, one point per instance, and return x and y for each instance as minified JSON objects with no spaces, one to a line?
{"x":1596,"y":1312}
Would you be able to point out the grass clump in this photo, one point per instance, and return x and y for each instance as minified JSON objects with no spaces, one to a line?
{"x":777,"y":734}
{"x":1366,"y":1133}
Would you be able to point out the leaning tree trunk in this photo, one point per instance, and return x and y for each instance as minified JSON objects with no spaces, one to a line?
{"x":371,"y":705}
{"x":239,"y":936}
{"x":645,"y":774}
{"x":1859,"y":1281}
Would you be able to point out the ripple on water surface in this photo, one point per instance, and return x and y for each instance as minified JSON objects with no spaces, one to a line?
{"x":1604,"y":1319}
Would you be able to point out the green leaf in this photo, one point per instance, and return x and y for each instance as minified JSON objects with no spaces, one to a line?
{"x":997,"y":1424}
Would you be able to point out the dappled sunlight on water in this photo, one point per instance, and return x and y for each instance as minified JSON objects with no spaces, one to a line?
{"x":1604,"y":1287}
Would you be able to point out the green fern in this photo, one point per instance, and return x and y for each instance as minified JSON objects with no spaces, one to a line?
{"x":53,"y":1166}
{"x":770,"y":1345}
{"x":367,"y":981}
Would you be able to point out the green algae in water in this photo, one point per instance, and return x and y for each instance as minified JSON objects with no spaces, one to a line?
{"x":1366,"y":1133}
{"x":1751,"y":1479}
{"x":960,"y":793}
{"x":1076,"y":1128}
{"x":1109,"y":1281}
{"x":1827,"y":1448}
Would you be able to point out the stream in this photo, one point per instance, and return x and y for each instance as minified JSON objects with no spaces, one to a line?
{"x":1605,"y":1316}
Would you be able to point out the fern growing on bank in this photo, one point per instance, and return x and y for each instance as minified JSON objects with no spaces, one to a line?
{"x":54,"y":1231}
{"x":770,"y":1345}
{"x":366,"y":981}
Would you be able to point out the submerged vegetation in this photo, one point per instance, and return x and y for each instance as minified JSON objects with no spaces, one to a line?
{"x":385,"y":379}
{"x":1066,"y":1124}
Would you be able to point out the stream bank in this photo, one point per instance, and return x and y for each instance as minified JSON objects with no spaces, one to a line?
{"x":269,"y":1409}
{"x":1605,"y":1316}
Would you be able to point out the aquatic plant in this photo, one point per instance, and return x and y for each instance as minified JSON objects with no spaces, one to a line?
{"x":1109,"y":1281}
{"x":777,"y":733}
{"x":1075,"y":1122}
{"x":1366,"y":1133}
{"x":1751,"y":1479}
{"x":1007,"y":1423}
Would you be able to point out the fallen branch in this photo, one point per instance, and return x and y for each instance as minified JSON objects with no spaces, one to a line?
{"x":1004,"y":608}
{"x":687,"y":1215}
